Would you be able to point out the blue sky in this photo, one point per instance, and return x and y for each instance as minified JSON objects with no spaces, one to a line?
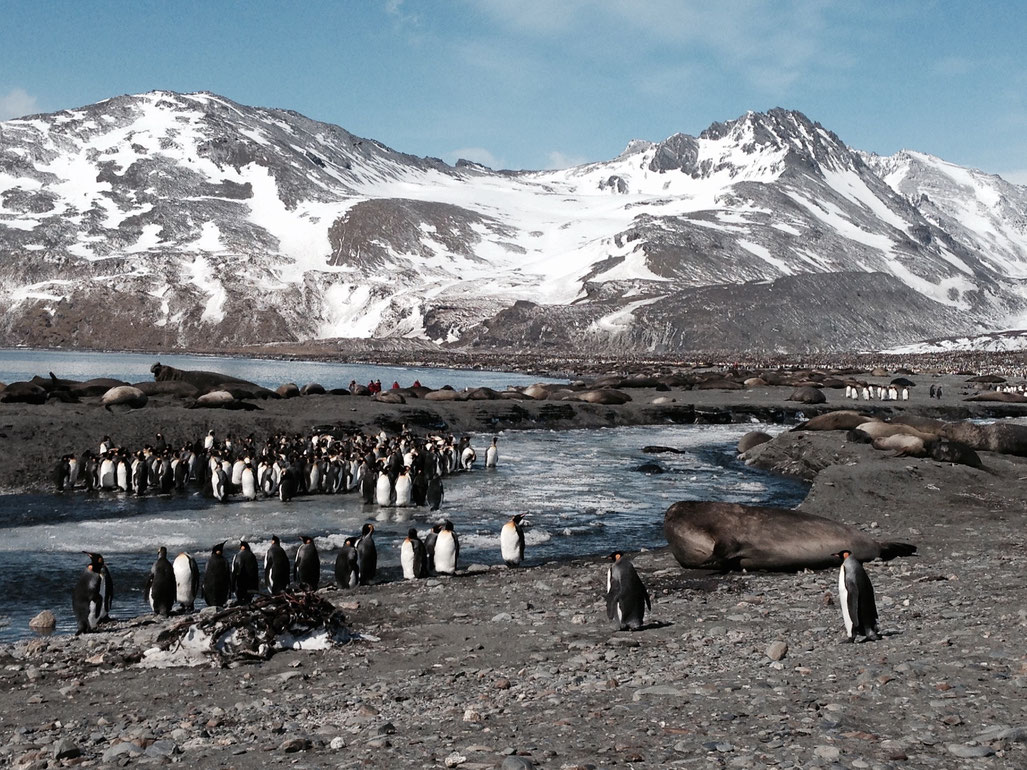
{"x":548,"y":83}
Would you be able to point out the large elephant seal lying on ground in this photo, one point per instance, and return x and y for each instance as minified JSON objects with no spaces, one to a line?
{"x":730,"y":536}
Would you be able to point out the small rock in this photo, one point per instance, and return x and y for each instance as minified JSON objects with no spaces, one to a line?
{"x":517,"y":763}
{"x":119,"y":750}
{"x":454,"y":760}
{"x":337,"y":743}
{"x":44,"y":621}
{"x":963,"y":751}
{"x":292,"y":745}
{"x":502,"y":617}
{"x":777,"y":650}
{"x":502,"y":684}
{"x":65,"y":748}
{"x":659,"y":691}
{"x":471,"y":715}
{"x":830,"y":753}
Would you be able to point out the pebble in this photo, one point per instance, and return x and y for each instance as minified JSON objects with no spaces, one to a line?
{"x":660,"y":691}
{"x":65,"y":748}
{"x":777,"y":650}
{"x":517,"y":763}
{"x":965,"y":751}
{"x":44,"y":621}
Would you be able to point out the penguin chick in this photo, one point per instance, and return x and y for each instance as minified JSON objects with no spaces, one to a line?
{"x":626,"y":596}
{"x":856,"y":597}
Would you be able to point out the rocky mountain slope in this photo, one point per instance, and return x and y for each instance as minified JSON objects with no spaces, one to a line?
{"x":167,"y":220}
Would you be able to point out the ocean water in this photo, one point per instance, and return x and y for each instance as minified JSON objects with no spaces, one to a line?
{"x":18,"y":364}
{"x":581,"y":489}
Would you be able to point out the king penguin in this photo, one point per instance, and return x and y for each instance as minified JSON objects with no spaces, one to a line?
{"x":435,"y":494}
{"x":187,"y":580}
{"x":626,"y":596}
{"x":308,"y":564}
{"x":347,"y":568}
{"x":217,"y":580}
{"x":276,"y":567}
{"x":413,"y":557}
{"x":447,"y":550}
{"x":511,"y":541}
{"x":86,"y":597}
{"x":856,"y":596}
{"x":245,"y":578}
{"x":367,"y":555}
{"x":492,"y":454}
{"x":160,"y":585}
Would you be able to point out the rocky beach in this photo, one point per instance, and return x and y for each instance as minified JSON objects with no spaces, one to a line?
{"x":516,"y":668}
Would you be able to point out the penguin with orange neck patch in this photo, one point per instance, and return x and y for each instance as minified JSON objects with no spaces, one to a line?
{"x":856,"y":597}
{"x":511,"y":541}
{"x":626,"y":595}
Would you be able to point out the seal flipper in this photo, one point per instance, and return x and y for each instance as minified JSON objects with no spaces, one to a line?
{"x":891,"y":551}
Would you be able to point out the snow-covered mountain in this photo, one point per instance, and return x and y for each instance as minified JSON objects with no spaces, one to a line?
{"x":164,"y":220}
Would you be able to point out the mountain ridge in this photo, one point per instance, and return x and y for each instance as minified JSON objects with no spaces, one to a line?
{"x":171,"y":220}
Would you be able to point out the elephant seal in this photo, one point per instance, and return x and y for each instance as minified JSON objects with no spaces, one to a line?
{"x":288,"y":390}
{"x":878,"y":429}
{"x":604,"y":396}
{"x":387,"y":397}
{"x":445,"y":394}
{"x":841,"y":419}
{"x":124,"y":395}
{"x":174,"y":388}
{"x":807,"y":394}
{"x":731,"y":536}
{"x":23,"y":393}
{"x":955,"y":452}
{"x":482,"y":394}
{"x":1000,"y":396}
{"x":206,"y":381}
{"x":751,"y":439}
{"x":537,"y":392}
{"x":903,"y":446}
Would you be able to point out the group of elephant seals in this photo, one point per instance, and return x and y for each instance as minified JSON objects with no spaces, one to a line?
{"x":731,"y":536}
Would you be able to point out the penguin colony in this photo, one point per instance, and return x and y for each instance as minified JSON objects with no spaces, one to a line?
{"x":399,"y":471}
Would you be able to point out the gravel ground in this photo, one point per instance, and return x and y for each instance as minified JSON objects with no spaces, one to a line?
{"x":520,"y":668}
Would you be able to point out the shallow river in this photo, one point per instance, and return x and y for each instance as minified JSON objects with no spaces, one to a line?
{"x":580,"y":487}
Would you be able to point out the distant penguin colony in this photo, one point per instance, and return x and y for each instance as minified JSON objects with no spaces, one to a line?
{"x":399,"y":471}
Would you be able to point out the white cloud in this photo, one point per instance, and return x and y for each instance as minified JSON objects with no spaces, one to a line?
{"x":773,"y":45}
{"x":396,"y":10}
{"x":557,"y":159}
{"x":17,"y":103}
{"x":475,"y":154}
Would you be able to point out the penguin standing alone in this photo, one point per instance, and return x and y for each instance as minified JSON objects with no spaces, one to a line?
{"x":492,"y":454}
{"x":367,"y":555}
{"x":447,"y":550}
{"x":347,"y":567}
{"x":626,"y":595}
{"x":308,"y":564}
{"x":160,"y":585}
{"x":187,"y":580}
{"x":86,"y":597}
{"x":856,"y":596}
{"x":217,"y":580}
{"x":413,"y":557}
{"x":276,"y":567}
{"x":511,"y":541}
